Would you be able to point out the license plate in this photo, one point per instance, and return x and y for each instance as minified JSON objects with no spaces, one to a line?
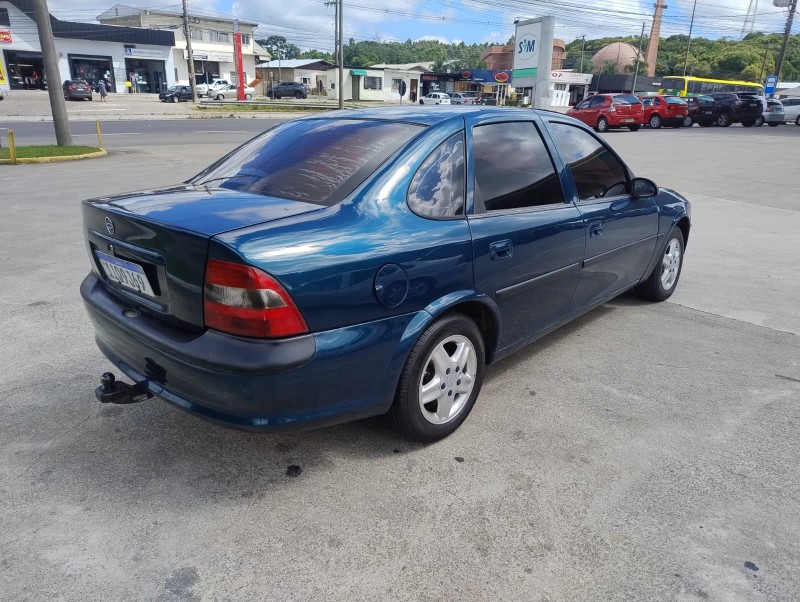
{"x":129,"y":275}
{"x":707,"y":112}
{"x":628,"y":120}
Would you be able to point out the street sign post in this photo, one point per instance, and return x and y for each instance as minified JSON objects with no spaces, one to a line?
{"x":402,"y":90}
{"x":769,"y":85}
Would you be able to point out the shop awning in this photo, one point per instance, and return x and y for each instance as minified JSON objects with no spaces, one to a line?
{"x":357,"y":72}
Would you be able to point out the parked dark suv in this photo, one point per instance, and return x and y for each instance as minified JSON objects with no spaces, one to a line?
{"x":703,"y":110}
{"x":737,"y":107}
{"x":176,"y":94}
{"x":282,"y":89}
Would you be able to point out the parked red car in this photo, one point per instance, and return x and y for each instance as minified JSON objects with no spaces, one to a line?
{"x":606,"y":111}
{"x":664,"y":110}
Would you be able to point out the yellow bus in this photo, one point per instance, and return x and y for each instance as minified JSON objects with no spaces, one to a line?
{"x":685,"y":85}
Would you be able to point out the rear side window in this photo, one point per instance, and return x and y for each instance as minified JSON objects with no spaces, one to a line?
{"x":626,"y":99}
{"x":596,"y":171}
{"x":513,"y":169}
{"x":316,"y":161}
{"x":671,"y":100}
{"x":437,"y":189}
{"x":597,"y":101}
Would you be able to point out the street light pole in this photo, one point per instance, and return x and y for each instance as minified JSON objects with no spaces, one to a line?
{"x":583,"y":46}
{"x":689,"y":45}
{"x":57,"y":105}
{"x":341,"y":53}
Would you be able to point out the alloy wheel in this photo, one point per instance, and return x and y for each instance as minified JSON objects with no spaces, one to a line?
{"x":671,"y":264}
{"x":447,"y":379}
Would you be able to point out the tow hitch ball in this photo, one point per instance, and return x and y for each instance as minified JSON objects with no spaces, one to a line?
{"x":113,"y":391}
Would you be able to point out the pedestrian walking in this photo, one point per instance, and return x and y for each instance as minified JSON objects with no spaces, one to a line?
{"x":101,"y":87}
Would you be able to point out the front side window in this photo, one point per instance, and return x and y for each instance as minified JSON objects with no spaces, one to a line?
{"x":316,"y":161}
{"x":596,"y":171}
{"x":513,"y":169}
{"x":437,"y":189}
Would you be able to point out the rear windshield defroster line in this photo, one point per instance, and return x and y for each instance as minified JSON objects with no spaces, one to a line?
{"x":314,"y":161}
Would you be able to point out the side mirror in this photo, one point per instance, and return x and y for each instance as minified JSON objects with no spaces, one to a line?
{"x":644,"y":188}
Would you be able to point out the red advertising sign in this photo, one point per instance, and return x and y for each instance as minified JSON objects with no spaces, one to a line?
{"x":5,"y":37}
{"x":237,"y":55}
{"x":501,"y":77}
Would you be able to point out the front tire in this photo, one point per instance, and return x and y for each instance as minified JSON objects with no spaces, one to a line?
{"x":298,"y":95}
{"x":248,"y":96}
{"x":441,"y":379}
{"x":655,"y":121}
{"x":757,"y":123}
{"x":634,"y":128}
{"x":774,"y":124}
{"x":724,"y":119}
{"x":661,"y":283}
{"x":602,"y":125}
{"x":687,"y":122}
{"x":175,"y":99}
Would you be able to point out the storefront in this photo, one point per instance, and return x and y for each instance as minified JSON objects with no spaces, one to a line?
{"x":145,"y":70}
{"x":92,"y":69}
{"x":25,"y":70}
{"x":210,"y":65}
{"x":492,"y":85}
{"x":438,"y":82}
{"x":568,"y":88}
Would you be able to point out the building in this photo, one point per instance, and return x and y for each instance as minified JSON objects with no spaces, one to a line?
{"x":212,"y":43}
{"x":312,"y":72}
{"x":85,"y":51}
{"x":620,"y":54}
{"x":501,"y":58}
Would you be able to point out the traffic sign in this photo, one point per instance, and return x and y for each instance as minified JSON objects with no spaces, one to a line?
{"x":769,"y":85}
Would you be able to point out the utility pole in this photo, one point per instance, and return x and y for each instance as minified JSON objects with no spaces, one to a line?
{"x":341,"y":53}
{"x":583,"y":46}
{"x":689,"y":45}
{"x":764,"y":62}
{"x":335,"y":4}
{"x":786,"y":33}
{"x":189,"y":55}
{"x":636,"y":64}
{"x":57,"y":105}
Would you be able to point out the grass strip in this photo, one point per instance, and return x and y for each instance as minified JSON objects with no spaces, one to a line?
{"x":29,"y":152}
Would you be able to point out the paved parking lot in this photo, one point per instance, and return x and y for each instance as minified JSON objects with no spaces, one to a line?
{"x":642,"y":452}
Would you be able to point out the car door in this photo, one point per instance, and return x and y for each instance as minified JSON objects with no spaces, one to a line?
{"x":620,"y":230}
{"x":527,"y":239}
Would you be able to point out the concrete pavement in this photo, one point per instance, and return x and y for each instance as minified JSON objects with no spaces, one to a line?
{"x":646,"y":451}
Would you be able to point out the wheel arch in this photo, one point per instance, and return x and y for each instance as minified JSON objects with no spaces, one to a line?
{"x":685,"y":225}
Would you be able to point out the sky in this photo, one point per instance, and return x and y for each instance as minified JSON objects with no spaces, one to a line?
{"x":310,"y":24}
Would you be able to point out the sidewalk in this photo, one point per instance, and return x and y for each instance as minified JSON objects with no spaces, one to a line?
{"x":34,"y":105}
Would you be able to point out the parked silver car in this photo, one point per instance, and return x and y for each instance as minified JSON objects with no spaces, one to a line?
{"x":791,"y":109}
{"x":772,"y":113}
{"x":462,"y":98}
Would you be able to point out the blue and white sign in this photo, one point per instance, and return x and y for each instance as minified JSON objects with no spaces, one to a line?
{"x":527,"y":49}
{"x":769,"y":86}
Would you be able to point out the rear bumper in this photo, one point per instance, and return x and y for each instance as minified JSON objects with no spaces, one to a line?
{"x":670,"y":121}
{"x":774,"y":118}
{"x":620,"y":122}
{"x":292,"y":384}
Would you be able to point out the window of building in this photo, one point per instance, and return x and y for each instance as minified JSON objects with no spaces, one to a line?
{"x":373,"y":83}
{"x":437,"y":189}
{"x":306,"y":80}
{"x":513,"y":169}
{"x":596,"y":171}
{"x":196,"y":34}
{"x":222,"y":37}
{"x":4,"y":20}
{"x":396,"y":85}
{"x":245,"y":39}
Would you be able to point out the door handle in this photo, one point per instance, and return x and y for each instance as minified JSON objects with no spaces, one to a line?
{"x":502,"y":249}
{"x":596,"y":229}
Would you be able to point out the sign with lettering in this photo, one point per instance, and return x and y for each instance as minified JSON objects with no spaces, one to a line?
{"x":533,"y":56}
{"x":149,"y":53}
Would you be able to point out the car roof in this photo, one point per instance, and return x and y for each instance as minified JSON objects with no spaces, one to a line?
{"x":427,"y":116}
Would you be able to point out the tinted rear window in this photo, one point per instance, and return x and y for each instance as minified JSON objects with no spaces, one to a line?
{"x":674,"y":101}
{"x":315,"y":161}
{"x":626,"y":99}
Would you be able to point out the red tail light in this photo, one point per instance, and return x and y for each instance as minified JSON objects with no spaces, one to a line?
{"x":243,"y":300}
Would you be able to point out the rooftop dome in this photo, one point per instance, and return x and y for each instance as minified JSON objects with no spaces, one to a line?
{"x":619,"y":52}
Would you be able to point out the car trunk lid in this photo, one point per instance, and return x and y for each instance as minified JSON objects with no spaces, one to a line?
{"x":151,"y":247}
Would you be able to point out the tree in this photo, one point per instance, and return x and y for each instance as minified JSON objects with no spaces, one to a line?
{"x":276,"y":45}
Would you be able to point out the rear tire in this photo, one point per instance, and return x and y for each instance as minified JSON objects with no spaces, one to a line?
{"x":774,"y":124}
{"x":602,"y":125}
{"x":749,"y":124}
{"x":724,"y":119}
{"x":687,"y":122}
{"x":655,"y":121}
{"x":248,"y":96}
{"x":663,"y":280}
{"x":220,"y":97}
{"x":797,"y":121}
{"x":634,"y":128}
{"x":705,"y":124}
{"x":441,"y":379}
{"x":757,"y":123}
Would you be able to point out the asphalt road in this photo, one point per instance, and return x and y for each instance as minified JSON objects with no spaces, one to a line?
{"x":645,"y":451}
{"x":126,"y":134}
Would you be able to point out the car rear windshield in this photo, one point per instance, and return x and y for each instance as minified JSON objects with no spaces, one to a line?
{"x":674,"y":101}
{"x":316,"y":161}
{"x":626,"y":99}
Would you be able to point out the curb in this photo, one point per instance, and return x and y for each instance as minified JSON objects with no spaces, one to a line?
{"x":100,"y":153}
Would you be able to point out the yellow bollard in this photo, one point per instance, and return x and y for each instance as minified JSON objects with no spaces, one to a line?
{"x":12,"y":148}
{"x":99,"y":134}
